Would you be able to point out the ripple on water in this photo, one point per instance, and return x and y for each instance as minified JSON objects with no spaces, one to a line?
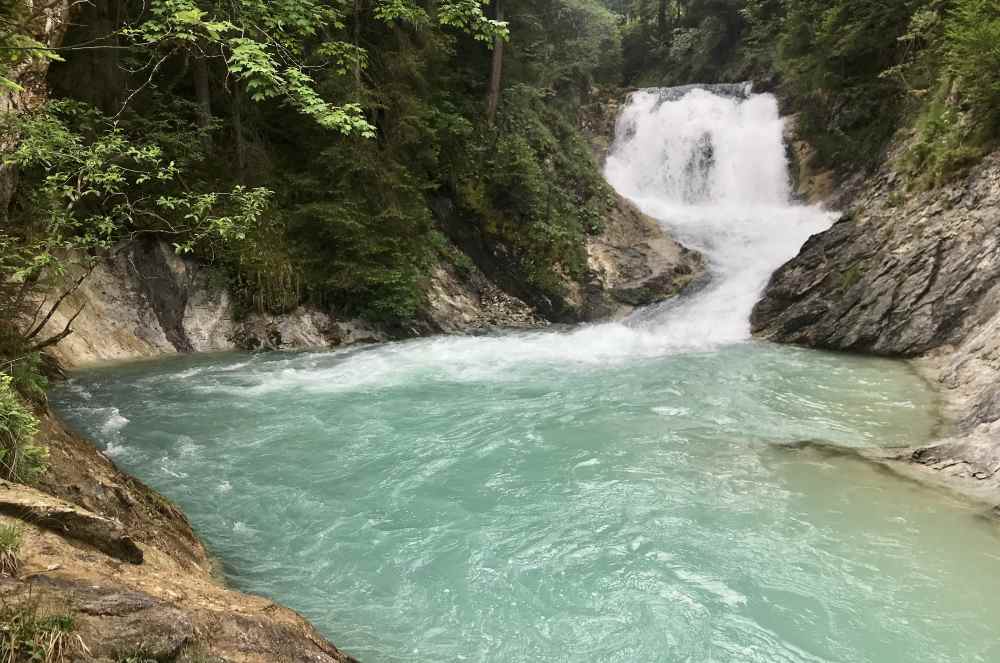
{"x":613,"y":513}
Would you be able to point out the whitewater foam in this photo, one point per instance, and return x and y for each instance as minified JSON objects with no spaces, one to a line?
{"x":114,"y":421}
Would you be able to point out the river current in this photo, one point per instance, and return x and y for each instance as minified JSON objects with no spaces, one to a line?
{"x":632,"y":491}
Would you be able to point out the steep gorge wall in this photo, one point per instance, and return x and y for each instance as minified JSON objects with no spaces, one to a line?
{"x":916,"y":275}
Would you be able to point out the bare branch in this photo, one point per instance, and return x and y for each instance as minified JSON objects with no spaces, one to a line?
{"x":139,"y":89}
{"x":38,"y":328}
{"x":67,"y":330}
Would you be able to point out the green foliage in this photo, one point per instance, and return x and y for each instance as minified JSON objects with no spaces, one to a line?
{"x":268,"y":45}
{"x":21,"y":459}
{"x":951,"y":70}
{"x":972,"y":48}
{"x":262,"y":44}
{"x":26,"y":375}
{"x":373,"y":258}
{"x":831,"y":57}
{"x":673,"y":42}
{"x":536,"y":189}
{"x":29,"y":634}
{"x":209,"y":150}
{"x":564,"y":46}
{"x":96,"y":184}
{"x":11,"y":537}
{"x":468,"y":16}
{"x":973,"y":54}
{"x":20,"y":48}
{"x":357,"y":233}
{"x":89,"y":182}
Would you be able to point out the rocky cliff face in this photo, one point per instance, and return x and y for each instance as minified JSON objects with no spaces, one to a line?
{"x":142,"y":300}
{"x":911,"y":275}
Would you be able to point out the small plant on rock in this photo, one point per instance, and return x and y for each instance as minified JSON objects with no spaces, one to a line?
{"x":27,"y":634}
{"x":10,"y":546}
{"x":21,"y":459}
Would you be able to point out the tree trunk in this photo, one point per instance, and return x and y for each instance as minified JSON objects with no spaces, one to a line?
{"x":661,"y":19}
{"x":48,"y":28}
{"x":357,"y":58}
{"x":203,"y":94}
{"x":496,"y":70}
{"x":241,"y":148}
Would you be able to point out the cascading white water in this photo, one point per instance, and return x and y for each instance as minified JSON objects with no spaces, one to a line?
{"x":711,"y":166}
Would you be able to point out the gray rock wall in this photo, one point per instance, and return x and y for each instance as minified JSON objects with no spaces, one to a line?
{"x":899,"y":275}
{"x":144,"y":301}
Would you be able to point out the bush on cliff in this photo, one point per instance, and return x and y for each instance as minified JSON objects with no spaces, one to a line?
{"x":21,"y":460}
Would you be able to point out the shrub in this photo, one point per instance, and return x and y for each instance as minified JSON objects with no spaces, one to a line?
{"x":973,"y":56}
{"x":27,"y":634}
{"x":10,"y":546}
{"x":20,"y":459}
{"x":534,"y":188}
{"x":960,"y":122}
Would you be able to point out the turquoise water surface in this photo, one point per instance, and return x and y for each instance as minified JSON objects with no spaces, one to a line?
{"x":630,"y":509}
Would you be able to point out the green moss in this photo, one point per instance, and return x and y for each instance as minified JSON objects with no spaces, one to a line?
{"x":851,"y":277}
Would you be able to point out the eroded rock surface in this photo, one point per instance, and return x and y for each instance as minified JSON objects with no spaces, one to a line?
{"x":633,"y":263}
{"x":901,"y":274}
{"x":142,"y":300}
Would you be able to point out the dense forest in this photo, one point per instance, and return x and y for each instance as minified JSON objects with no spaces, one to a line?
{"x":331,"y":152}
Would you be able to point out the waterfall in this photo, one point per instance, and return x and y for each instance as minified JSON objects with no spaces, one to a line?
{"x":709,"y":164}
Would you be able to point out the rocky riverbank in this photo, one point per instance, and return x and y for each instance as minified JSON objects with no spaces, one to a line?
{"x":915,"y":275}
{"x":117,"y":567}
{"x":142,"y":300}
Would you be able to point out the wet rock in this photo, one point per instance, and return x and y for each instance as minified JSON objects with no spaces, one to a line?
{"x":633,"y":263}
